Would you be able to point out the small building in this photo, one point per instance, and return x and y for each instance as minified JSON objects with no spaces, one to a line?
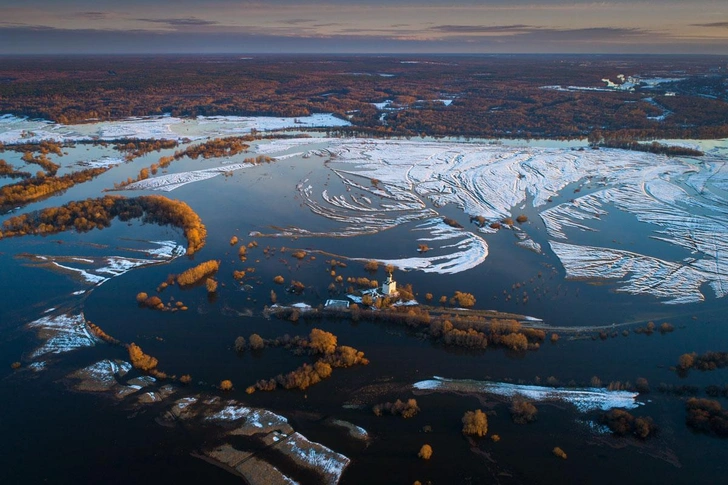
{"x":336,"y":304}
{"x":389,"y":287}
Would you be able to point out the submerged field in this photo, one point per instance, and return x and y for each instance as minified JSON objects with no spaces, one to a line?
{"x":608,"y":242}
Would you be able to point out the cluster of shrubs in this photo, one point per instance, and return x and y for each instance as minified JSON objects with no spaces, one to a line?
{"x":362,"y":282}
{"x":717,"y":391}
{"x":42,"y":186}
{"x":707,"y":416}
{"x":705,"y":362}
{"x":622,"y":423}
{"x":198,"y":273}
{"x":649,"y":329}
{"x":7,"y":170}
{"x":156,"y":303}
{"x":319,"y":343}
{"x":137,"y":148}
{"x":475,"y":423}
{"x":43,"y":161}
{"x":406,"y":409}
{"x":473,"y":331}
{"x":299,"y":254}
{"x":144,"y":362}
{"x":523,"y":411}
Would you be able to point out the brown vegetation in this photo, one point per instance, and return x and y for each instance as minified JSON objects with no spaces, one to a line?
{"x":523,"y":411}
{"x":211,"y":285}
{"x":707,"y":416}
{"x":475,"y":423}
{"x":299,"y":254}
{"x":153,"y":302}
{"x":336,"y":264}
{"x":15,"y":365}
{"x":406,"y":409}
{"x":318,"y":343}
{"x":559,"y":452}
{"x":654,"y":147}
{"x":216,"y":148}
{"x":43,"y":161}
{"x":362,"y":282}
{"x":464,"y":300}
{"x":62,"y":90}
{"x":256,"y":342}
{"x":296,"y":287}
{"x":233,"y":240}
{"x":452,"y":223}
{"x":140,"y":360}
{"x":7,"y":170}
{"x":40,"y":187}
{"x":425,"y":452}
{"x":198,"y":273}
{"x":322,"y":342}
{"x":371,"y":266}
{"x":522,"y":218}
{"x":90,"y":214}
{"x":279,"y":280}
{"x":706,"y":362}
{"x":134,"y":148}
{"x":642,"y":385}
{"x":226,"y":385}
{"x":260,"y":159}
{"x":648,"y":329}
{"x":623,"y":423}
{"x":305,"y":376}
{"x":219,"y":147}
{"x":101,"y":335}
{"x":185,"y":379}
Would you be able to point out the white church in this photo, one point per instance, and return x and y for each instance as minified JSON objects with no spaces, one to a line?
{"x":389,"y":287}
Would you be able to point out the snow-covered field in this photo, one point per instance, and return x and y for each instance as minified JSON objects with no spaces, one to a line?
{"x":682,"y":200}
{"x":97,"y":270}
{"x":62,"y":333}
{"x":15,"y":129}
{"x":169,"y":182}
{"x":585,"y":400}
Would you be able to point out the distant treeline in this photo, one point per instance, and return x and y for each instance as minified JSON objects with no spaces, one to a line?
{"x":501,"y":97}
{"x":654,"y":147}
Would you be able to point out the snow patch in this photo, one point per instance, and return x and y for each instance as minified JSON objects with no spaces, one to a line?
{"x":62,"y":333}
{"x":585,"y":400}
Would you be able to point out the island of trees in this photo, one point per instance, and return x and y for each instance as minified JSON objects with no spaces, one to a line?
{"x":321,"y":344}
{"x":42,"y":186}
{"x":89,"y":214}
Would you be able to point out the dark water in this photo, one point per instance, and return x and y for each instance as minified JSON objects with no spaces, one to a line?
{"x":53,"y":435}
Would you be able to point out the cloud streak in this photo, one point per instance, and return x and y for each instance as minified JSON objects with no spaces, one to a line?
{"x":374,"y":25}
{"x":180,"y":22}
{"x":483,"y":29}
{"x":723,"y":25}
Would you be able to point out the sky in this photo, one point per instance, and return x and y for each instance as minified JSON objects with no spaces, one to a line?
{"x":363,"y":26}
